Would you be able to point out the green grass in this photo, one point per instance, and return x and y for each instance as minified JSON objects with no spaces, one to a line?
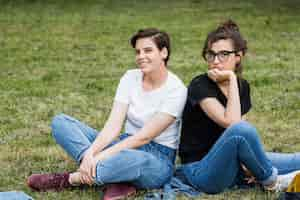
{"x":67,"y":56}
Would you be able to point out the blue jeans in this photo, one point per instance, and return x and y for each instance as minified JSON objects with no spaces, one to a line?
{"x":221,"y":167}
{"x":13,"y":195}
{"x":149,"y":166}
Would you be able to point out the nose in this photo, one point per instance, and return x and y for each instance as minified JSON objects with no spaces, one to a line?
{"x":140,"y":55}
{"x":216,"y":60}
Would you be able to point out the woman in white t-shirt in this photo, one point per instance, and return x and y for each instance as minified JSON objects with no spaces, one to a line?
{"x":150,"y":100}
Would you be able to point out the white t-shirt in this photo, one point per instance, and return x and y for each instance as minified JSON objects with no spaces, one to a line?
{"x":143,"y":105}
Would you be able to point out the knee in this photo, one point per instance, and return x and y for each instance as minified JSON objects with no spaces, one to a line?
{"x":57,"y":124}
{"x":243,"y":129}
{"x":126,"y":165}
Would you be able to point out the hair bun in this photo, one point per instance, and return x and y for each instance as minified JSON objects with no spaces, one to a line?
{"x":229,"y":25}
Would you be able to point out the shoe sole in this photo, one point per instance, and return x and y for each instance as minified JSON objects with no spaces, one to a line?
{"x":42,"y":190}
{"x":120,"y":197}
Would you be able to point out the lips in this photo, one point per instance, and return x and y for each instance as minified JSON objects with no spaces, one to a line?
{"x":216,"y":67}
{"x":142,"y":62}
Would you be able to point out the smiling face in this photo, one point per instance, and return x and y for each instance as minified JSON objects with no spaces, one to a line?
{"x":229,"y":61}
{"x":147,"y":55}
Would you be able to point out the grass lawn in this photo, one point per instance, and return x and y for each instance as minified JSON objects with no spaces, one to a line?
{"x":67,"y":56}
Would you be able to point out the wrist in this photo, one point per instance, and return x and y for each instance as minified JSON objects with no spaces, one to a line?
{"x":232,"y":76}
{"x":90,"y":151}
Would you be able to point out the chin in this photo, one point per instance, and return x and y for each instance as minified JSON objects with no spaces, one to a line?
{"x":144,"y":69}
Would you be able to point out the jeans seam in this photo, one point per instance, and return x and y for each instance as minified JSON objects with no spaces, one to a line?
{"x":229,"y":140}
{"x":252,"y":153}
{"x":75,"y":122}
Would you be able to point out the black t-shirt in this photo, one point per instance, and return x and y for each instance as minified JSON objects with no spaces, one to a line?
{"x":199,"y":132}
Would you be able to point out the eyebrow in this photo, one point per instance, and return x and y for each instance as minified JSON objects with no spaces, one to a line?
{"x":148,"y":48}
{"x":145,"y":48}
{"x":221,"y":51}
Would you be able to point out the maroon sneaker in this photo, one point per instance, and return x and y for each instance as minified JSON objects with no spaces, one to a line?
{"x":118,"y":191}
{"x":44,"y":182}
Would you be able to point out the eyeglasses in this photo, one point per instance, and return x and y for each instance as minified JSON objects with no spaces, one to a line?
{"x":223,"y":56}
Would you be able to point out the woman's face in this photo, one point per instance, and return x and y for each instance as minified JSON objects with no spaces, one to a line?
{"x":148,"y":57}
{"x":223,"y":56}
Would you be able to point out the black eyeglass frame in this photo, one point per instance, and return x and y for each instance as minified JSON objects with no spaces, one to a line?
{"x":224,"y":53}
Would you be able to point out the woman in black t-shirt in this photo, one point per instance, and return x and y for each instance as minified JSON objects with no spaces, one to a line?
{"x":218,"y":149}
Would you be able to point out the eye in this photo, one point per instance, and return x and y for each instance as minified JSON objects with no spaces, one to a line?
{"x":137,"y":52}
{"x":224,"y":53}
{"x":209,"y":55}
{"x":148,"y":50}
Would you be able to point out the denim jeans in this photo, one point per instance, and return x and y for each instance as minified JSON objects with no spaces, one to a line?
{"x":221,"y":167}
{"x":14,"y":195}
{"x":149,"y":166}
{"x":285,"y":162}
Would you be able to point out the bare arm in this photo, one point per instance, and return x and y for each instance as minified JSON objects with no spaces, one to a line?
{"x":224,"y":116}
{"x":110,"y":131}
{"x":150,"y":130}
{"x":112,"y":127}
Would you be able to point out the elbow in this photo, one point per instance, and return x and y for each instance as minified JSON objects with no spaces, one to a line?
{"x":231,"y":121}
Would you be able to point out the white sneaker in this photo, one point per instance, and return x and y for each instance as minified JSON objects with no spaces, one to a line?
{"x":282,"y":182}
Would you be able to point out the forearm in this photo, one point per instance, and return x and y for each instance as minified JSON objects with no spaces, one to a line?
{"x":233,"y":108}
{"x":151,"y":129}
{"x":131,"y":142}
{"x":107,"y":135}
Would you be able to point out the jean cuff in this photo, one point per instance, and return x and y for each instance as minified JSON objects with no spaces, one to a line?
{"x":98,"y":180}
{"x":271,"y":179}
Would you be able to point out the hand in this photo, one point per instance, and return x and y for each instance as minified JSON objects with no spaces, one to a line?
{"x":87,"y":168}
{"x":250,"y":178}
{"x":220,"y":75}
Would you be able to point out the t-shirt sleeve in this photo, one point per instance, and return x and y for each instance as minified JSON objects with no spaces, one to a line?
{"x":174,"y":102}
{"x":200,"y":89}
{"x":123,"y":90}
{"x":245,"y":97}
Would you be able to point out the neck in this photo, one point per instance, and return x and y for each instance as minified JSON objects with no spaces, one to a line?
{"x":155,"y":79}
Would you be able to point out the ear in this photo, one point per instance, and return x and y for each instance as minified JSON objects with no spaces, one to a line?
{"x":164,"y":52}
{"x":239,"y":56}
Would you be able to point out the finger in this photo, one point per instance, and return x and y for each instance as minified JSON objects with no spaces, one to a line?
{"x":90,"y":170}
{"x":89,"y":180}
{"x":217,"y":72}
{"x":82,"y":179}
{"x":211,"y":75}
{"x":208,"y":73}
{"x":88,"y":173}
{"x":213,"y":78}
{"x":94,"y":170}
{"x":214,"y":72}
{"x":211,"y":71}
{"x":86,"y":179}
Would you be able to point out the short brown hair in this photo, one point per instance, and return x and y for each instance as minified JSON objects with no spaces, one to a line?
{"x":160,"y":38}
